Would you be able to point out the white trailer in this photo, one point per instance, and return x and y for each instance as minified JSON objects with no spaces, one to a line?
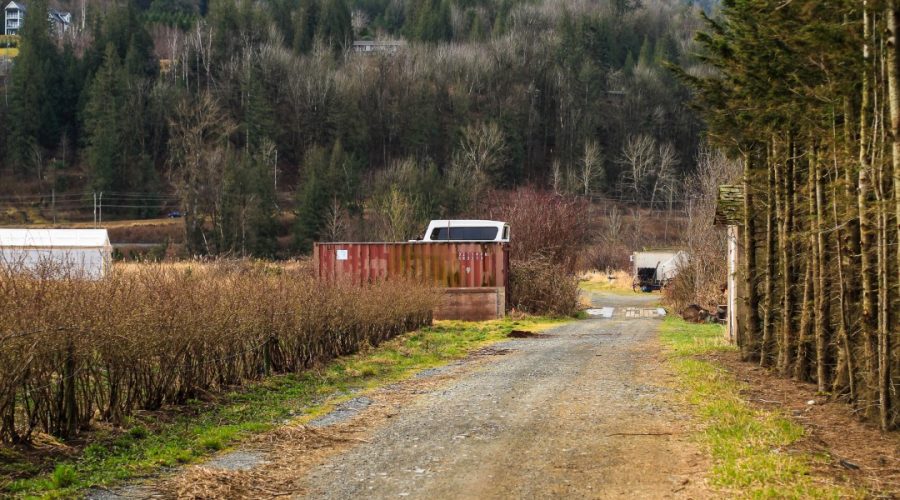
{"x":653,"y":269}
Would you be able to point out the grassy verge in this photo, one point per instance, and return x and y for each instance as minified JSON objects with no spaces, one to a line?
{"x":165,"y":440}
{"x":748,"y":446}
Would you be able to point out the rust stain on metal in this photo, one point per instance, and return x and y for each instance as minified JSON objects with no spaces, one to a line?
{"x":444,"y":264}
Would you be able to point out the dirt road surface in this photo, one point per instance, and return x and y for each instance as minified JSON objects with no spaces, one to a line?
{"x":580,"y":411}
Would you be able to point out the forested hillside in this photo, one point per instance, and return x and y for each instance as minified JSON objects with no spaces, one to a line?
{"x":230,"y":108}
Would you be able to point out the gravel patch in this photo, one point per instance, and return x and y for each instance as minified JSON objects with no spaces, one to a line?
{"x":124,"y":493}
{"x":342,"y":413}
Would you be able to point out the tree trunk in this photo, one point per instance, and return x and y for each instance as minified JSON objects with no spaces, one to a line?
{"x":801,"y":366}
{"x":893,"y":73}
{"x":867,"y":304}
{"x":765,"y":347}
{"x":786,"y":208}
{"x":751,"y":330}
{"x":846,"y":364}
{"x":822,"y":298}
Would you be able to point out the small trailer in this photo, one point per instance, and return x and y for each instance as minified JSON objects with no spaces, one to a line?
{"x":654,"y":269}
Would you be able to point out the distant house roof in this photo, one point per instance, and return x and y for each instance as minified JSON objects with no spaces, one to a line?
{"x":378,"y":43}
{"x":730,"y":205}
{"x":54,"y":238}
{"x":60,"y":16}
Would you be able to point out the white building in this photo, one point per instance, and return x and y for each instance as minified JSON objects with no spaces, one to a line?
{"x":57,"y":253}
{"x":373,"y":46}
{"x":15,"y":14}
{"x":60,"y":21}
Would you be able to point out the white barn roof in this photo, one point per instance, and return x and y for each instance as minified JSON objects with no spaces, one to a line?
{"x":54,"y":238}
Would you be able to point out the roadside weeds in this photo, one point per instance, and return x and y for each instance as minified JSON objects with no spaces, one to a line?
{"x":749,"y":446}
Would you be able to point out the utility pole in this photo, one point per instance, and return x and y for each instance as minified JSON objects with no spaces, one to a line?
{"x":100,"y":212}
{"x":95,"y":209}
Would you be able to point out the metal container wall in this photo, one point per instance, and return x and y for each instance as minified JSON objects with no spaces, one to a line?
{"x":445,"y":264}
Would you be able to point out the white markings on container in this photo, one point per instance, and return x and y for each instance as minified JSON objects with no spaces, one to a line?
{"x":342,"y":255}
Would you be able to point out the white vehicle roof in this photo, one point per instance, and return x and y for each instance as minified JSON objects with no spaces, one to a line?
{"x":467,"y":223}
{"x":500,"y":234}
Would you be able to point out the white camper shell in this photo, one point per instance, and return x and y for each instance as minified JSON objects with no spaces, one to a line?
{"x":56,"y":253}
{"x":467,"y":230}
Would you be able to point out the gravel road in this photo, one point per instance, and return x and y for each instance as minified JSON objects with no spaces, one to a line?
{"x":578,"y":411}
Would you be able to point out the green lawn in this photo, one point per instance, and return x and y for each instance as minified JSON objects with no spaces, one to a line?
{"x":201,"y":429}
{"x":748,"y":446}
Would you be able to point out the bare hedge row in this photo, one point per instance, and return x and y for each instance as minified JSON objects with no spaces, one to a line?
{"x":73,"y":351}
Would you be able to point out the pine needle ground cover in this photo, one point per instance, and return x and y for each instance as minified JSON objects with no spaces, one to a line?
{"x":749,"y":446}
{"x":149,"y":442}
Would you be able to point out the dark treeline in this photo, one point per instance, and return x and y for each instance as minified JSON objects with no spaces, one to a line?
{"x":806,"y":95}
{"x":228,"y":103}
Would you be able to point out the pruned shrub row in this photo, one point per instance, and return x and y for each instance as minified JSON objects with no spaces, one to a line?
{"x":147,"y":336}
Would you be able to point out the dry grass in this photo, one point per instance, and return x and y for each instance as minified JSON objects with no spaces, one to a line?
{"x":73,"y":352}
{"x":596,"y":281}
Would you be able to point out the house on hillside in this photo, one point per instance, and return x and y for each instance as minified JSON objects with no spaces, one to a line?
{"x":60,"y":21}
{"x":378,"y":46}
{"x":729,"y":210}
{"x":15,"y":14}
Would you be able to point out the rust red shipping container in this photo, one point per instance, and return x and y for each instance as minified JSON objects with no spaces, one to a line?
{"x":445,"y":264}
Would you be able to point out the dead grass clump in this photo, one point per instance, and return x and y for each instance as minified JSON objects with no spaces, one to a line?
{"x":73,"y":352}
{"x":621,"y":281}
{"x":695,"y":285}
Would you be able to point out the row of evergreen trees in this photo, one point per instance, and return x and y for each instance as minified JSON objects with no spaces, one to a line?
{"x":806,"y":95}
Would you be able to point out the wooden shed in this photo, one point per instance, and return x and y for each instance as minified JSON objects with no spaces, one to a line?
{"x":729,"y":212}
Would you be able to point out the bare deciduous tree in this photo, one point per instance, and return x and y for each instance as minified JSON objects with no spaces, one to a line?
{"x":199,"y":150}
{"x":591,"y":168}
{"x":638,"y":158}
{"x":397,"y":215}
{"x":482,"y":150}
